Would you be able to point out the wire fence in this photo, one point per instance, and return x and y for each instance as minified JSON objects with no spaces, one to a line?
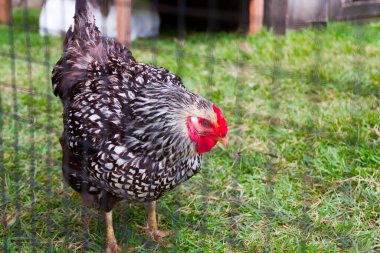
{"x":302,"y":171}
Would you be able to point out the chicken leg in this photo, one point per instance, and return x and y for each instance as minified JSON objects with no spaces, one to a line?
{"x":112,"y":246}
{"x":152,"y":229}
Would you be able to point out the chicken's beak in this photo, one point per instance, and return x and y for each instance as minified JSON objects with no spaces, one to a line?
{"x":223,"y":141}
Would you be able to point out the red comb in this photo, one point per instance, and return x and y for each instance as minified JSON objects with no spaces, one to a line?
{"x":221,"y":121}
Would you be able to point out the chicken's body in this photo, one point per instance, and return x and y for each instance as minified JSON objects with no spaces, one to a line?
{"x":126,"y":124}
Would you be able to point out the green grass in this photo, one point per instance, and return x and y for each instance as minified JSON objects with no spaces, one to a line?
{"x":301,"y":175}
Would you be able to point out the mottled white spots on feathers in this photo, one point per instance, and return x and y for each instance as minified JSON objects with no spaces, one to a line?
{"x":140,"y":79}
{"x":117,"y":185}
{"x":119,"y":149}
{"x":120,"y":161}
{"x":93,"y":189}
{"x":108,"y":165}
{"x":142,"y":195}
{"x":131,"y":95}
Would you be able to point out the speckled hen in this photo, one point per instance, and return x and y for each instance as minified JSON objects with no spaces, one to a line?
{"x":131,"y":130}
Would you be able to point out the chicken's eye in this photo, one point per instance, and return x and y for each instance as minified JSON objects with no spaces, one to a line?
{"x":205,"y":123}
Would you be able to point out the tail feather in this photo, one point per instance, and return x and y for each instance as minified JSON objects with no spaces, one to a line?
{"x":81,"y":15}
{"x":81,"y":7}
{"x":84,"y":22}
{"x":82,"y":46}
{"x":85,"y":51}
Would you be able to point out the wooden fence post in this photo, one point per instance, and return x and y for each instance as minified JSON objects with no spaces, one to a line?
{"x":123,"y":10}
{"x":276,"y":15}
{"x":256,"y":15}
{"x":5,"y":11}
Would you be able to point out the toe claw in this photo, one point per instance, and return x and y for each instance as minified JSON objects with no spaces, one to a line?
{"x":162,"y":233}
{"x":161,"y":240}
{"x":157,"y":235}
{"x":119,"y":249}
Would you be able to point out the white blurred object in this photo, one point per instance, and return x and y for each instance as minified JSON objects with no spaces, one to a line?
{"x":57,"y":16}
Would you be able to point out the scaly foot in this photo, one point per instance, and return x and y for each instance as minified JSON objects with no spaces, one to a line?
{"x":112,"y":246}
{"x":157,"y":235}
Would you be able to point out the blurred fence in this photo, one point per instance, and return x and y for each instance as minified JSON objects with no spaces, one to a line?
{"x":237,"y":191}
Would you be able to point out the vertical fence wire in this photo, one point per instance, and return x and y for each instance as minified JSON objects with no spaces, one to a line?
{"x":271,"y":165}
{"x":31,"y":124}
{"x":49,"y":130}
{"x":3,"y":214}
{"x":209,"y":65}
{"x":16,"y":172}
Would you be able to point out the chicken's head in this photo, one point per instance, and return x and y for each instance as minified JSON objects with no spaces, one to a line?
{"x":207,"y":128}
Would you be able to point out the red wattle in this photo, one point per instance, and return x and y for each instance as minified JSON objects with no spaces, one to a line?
{"x":205,"y":144}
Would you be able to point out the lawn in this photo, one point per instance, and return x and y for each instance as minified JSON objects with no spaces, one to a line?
{"x":301,"y":174}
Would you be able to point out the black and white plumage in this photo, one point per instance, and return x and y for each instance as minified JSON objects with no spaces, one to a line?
{"x":131,"y":130}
